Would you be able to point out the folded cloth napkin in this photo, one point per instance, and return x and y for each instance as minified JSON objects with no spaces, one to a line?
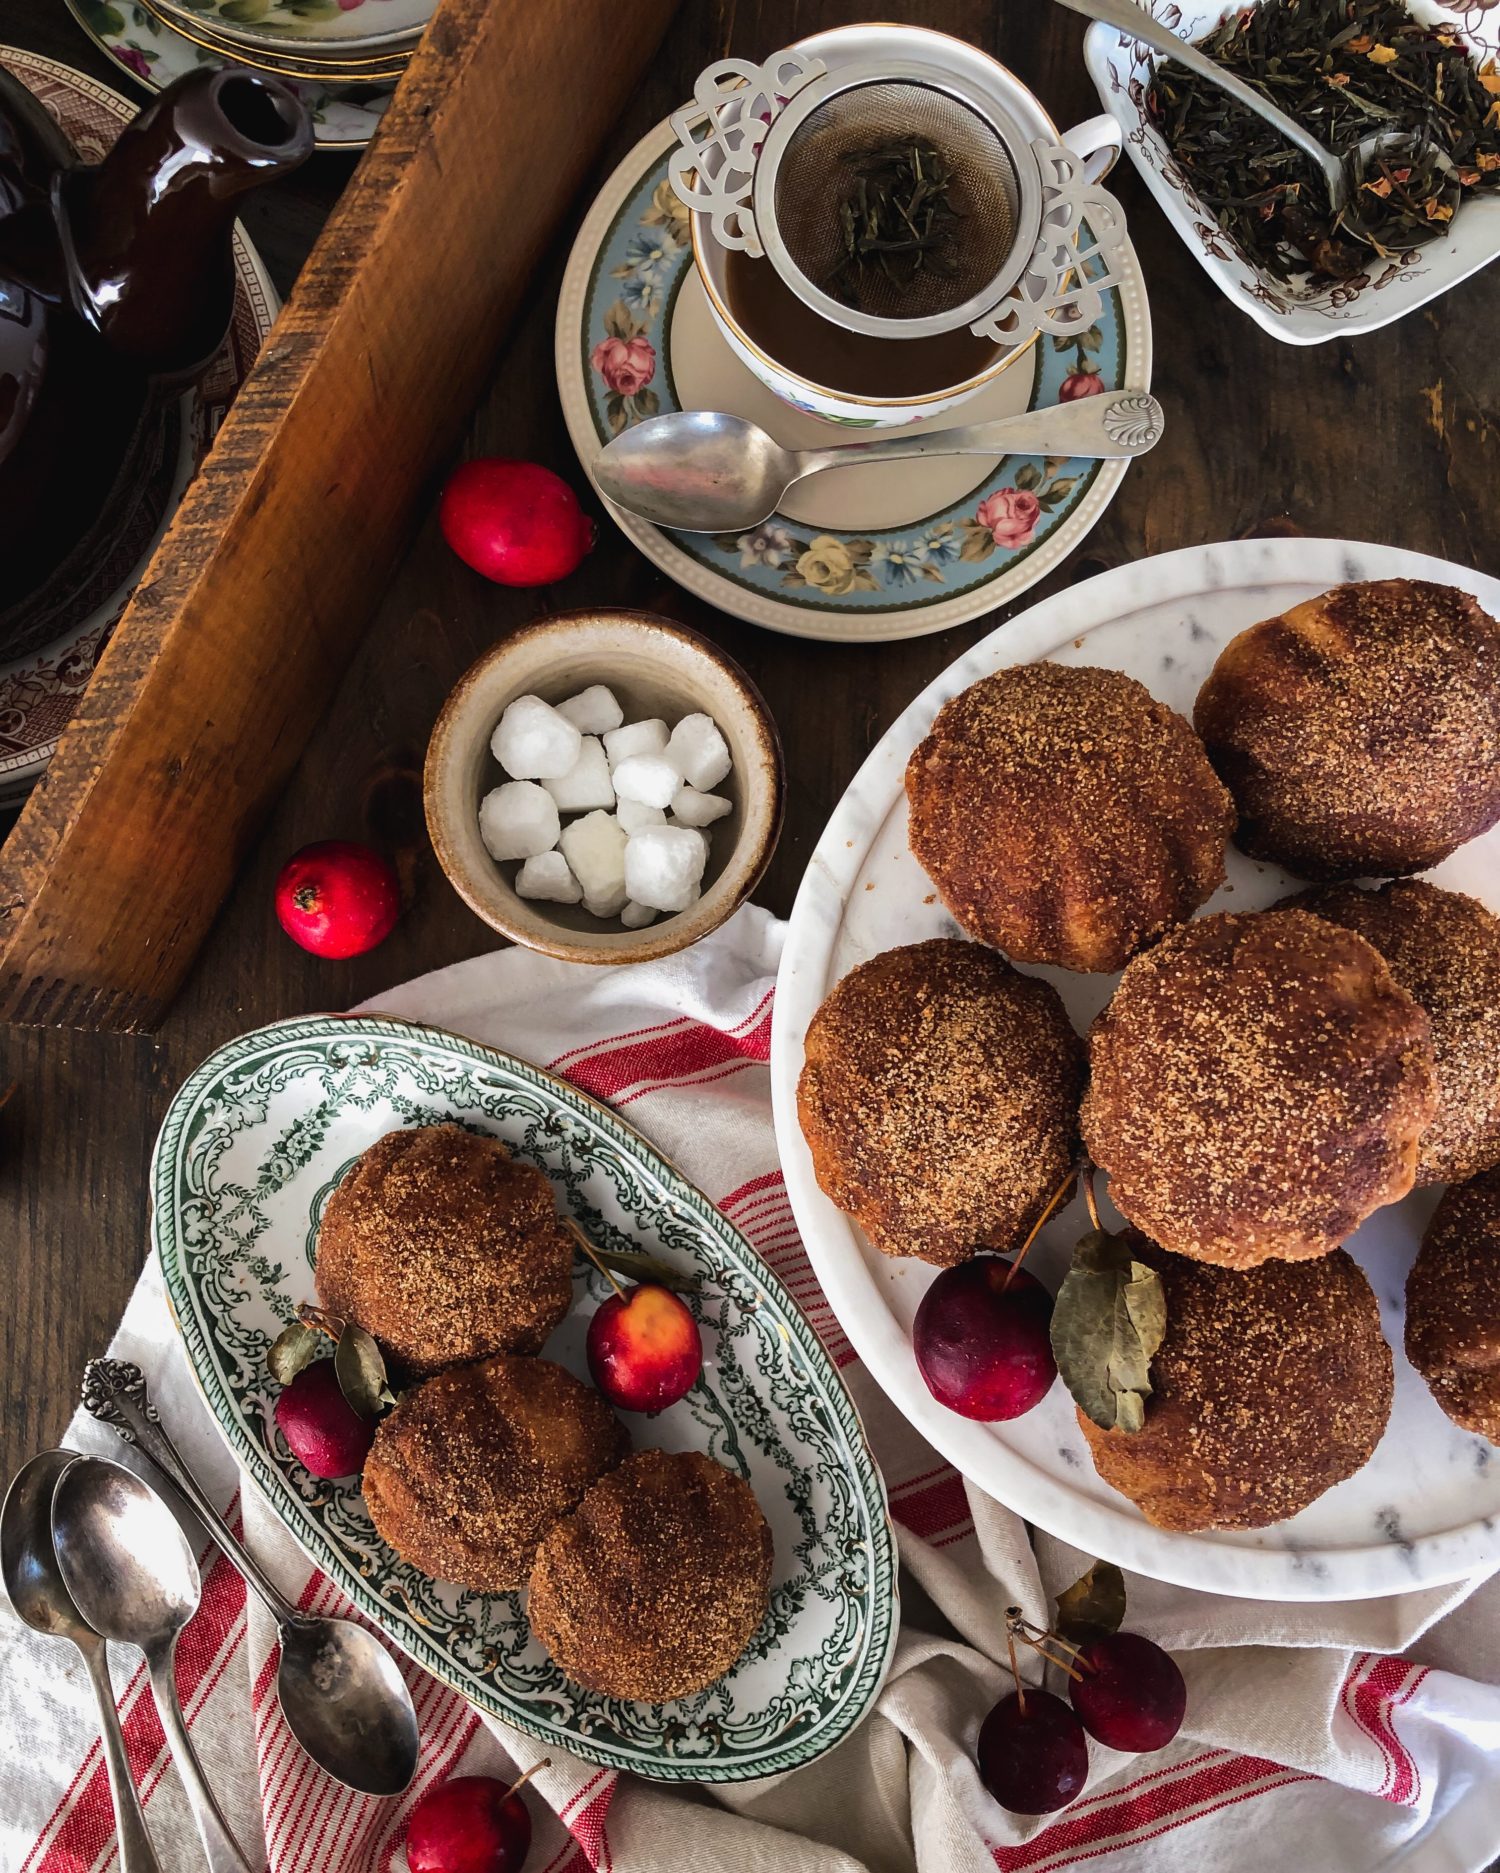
{"x":1353,"y":1736}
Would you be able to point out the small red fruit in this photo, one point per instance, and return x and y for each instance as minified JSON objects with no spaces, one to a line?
{"x":337,"y":899}
{"x":326,"y":1433}
{"x":643,"y":1348}
{"x":1032,"y":1753}
{"x":516,"y":522}
{"x":981,"y":1339}
{"x":473,"y":1824}
{"x":1131,"y":1695}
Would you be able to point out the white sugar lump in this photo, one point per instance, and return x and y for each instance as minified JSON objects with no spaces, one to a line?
{"x":635,"y":738}
{"x":595,"y":848}
{"x":586,"y":784}
{"x":698,"y":751}
{"x":633,"y":816}
{"x":548,"y":876}
{"x":533,"y":742}
{"x":637,"y":916}
{"x":663,"y":865}
{"x":593,"y":710}
{"x":648,"y":779}
{"x":518,"y":820}
{"x":691,"y":808}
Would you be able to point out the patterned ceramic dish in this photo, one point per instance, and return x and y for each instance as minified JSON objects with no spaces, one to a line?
{"x":345,"y":116}
{"x":250,"y":1151}
{"x":339,"y":26}
{"x":859,"y":553}
{"x":1121,"y":71}
{"x":39,"y":693}
{"x":310,"y":67}
{"x":1426,"y":1508}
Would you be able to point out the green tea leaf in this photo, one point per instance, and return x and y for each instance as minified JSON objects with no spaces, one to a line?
{"x":293,"y":1348}
{"x":359,"y":1367}
{"x":1094,"y":1606}
{"x":1107,"y":1325}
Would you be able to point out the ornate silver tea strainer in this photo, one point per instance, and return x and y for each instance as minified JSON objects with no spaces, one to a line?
{"x":770,"y":155}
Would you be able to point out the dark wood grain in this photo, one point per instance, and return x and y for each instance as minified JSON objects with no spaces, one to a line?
{"x":1393,"y":437}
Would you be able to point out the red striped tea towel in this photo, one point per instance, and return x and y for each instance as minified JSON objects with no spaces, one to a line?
{"x":1355,"y":1736}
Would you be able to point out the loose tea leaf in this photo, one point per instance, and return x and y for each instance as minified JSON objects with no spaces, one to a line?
{"x":359,"y":1367}
{"x":898,"y":218}
{"x":1094,"y":1606}
{"x":1346,"y":69}
{"x":1107,"y":1324}
{"x":293,"y":1348}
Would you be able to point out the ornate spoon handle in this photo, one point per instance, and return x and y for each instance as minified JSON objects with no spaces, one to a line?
{"x":114,"y":1391}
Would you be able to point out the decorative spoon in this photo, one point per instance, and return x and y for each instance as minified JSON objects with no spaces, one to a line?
{"x":1134,"y":22}
{"x":706,"y":472}
{"x":341,"y":1694}
{"x":37,"y":1592}
{"x":132,"y":1575}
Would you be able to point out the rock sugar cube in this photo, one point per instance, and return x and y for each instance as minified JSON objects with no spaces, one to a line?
{"x":663,"y":866}
{"x":635,"y":738}
{"x":648,"y":779}
{"x":594,"y":847}
{"x":518,"y":820}
{"x":548,"y":876}
{"x":593,"y":710}
{"x":691,"y":808}
{"x":633,"y":816}
{"x":698,"y":751}
{"x":586,"y":784}
{"x":637,"y":916}
{"x":533,"y":742}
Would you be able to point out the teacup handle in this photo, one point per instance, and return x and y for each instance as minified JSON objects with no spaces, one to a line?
{"x":1096,"y":142}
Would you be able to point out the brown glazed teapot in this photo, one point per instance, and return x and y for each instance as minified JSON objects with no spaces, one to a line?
{"x":116,"y":291}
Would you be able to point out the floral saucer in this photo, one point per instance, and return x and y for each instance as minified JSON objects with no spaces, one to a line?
{"x":39,"y":692}
{"x":345,"y":116}
{"x":858,"y":554}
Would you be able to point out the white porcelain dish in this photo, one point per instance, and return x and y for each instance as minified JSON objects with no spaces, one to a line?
{"x":1426,"y":1509}
{"x":1121,"y":70}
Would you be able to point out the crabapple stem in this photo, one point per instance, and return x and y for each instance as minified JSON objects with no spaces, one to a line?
{"x":1053,"y":1201}
{"x":1015,"y":1671}
{"x":1034,"y":1637}
{"x":583,"y":1242}
{"x":1088,"y":1195}
{"x":521,"y":1780}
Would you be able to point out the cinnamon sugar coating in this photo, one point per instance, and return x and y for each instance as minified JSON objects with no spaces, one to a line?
{"x":1453,"y":1306}
{"x":658,"y":1581}
{"x":446,"y":1248}
{"x":1065,"y":815}
{"x":939,"y":1099}
{"x":1271,"y":1385}
{"x":473,"y":1467}
{"x":1260,"y":1084}
{"x":1444,"y":950}
{"x":1360,"y":732}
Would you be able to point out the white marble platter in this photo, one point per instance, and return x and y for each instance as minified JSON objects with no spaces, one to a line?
{"x":1426,"y":1508}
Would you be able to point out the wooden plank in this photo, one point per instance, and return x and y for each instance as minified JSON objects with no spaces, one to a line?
{"x":262,"y":587}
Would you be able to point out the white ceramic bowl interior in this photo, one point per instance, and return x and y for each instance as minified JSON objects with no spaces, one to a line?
{"x":1121,"y":70}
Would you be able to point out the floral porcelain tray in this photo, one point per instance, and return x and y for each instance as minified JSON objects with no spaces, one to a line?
{"x":1121,"y":71}
{"x":250,"y":1151}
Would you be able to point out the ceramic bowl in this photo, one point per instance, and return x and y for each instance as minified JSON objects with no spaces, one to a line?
{"x":655,"y":668}
{"x":1121,"y":70}
{"x":299,"y":25}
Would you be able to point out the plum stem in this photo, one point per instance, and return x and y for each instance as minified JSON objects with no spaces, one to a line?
{"x":583,"y":1242}
{"x":1057,"y":1197}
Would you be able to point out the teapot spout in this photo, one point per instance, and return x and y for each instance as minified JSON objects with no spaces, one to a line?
{"x":150,"y":228}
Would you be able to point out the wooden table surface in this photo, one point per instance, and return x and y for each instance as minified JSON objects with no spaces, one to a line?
{"x":1394,"y":437}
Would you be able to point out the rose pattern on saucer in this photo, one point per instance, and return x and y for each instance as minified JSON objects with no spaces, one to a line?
{"x":636,"y":276}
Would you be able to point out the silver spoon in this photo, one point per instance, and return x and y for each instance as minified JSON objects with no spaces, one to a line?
{"x":1134,"y":22}
{"x":36,"y":1591}
{"x":341,"y":1694}
{"x":706,"y":472}
{"x":132,"y":1575}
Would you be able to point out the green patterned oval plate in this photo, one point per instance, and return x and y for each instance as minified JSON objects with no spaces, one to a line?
{"x":252,"y":1147}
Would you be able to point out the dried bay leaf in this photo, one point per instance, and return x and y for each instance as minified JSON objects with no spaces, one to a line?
{"x":1107,"y":1324}
{"x":359,"y":1367}
{"x":1094,"y":1606}
{"x":293,"y":1348}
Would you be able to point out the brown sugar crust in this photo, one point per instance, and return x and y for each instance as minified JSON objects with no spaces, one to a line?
{"x":446,"y":1248}
{"x":1444,"y":950}
{"x":939,"y":1099}
{"x":1360,"y":732}
{"x":1453,"y":1306}
{"x":1065,"y":815}
{"x":1260,"y":1085}
{"x":1271,"y":1385}
{"x":659,"y":1580}
{"x":473,"y":1467}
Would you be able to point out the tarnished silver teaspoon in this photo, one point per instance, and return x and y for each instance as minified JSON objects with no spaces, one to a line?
{"x":704,"y":471}
{"x":41,"y":1598}
{"x":341,"y":1694}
